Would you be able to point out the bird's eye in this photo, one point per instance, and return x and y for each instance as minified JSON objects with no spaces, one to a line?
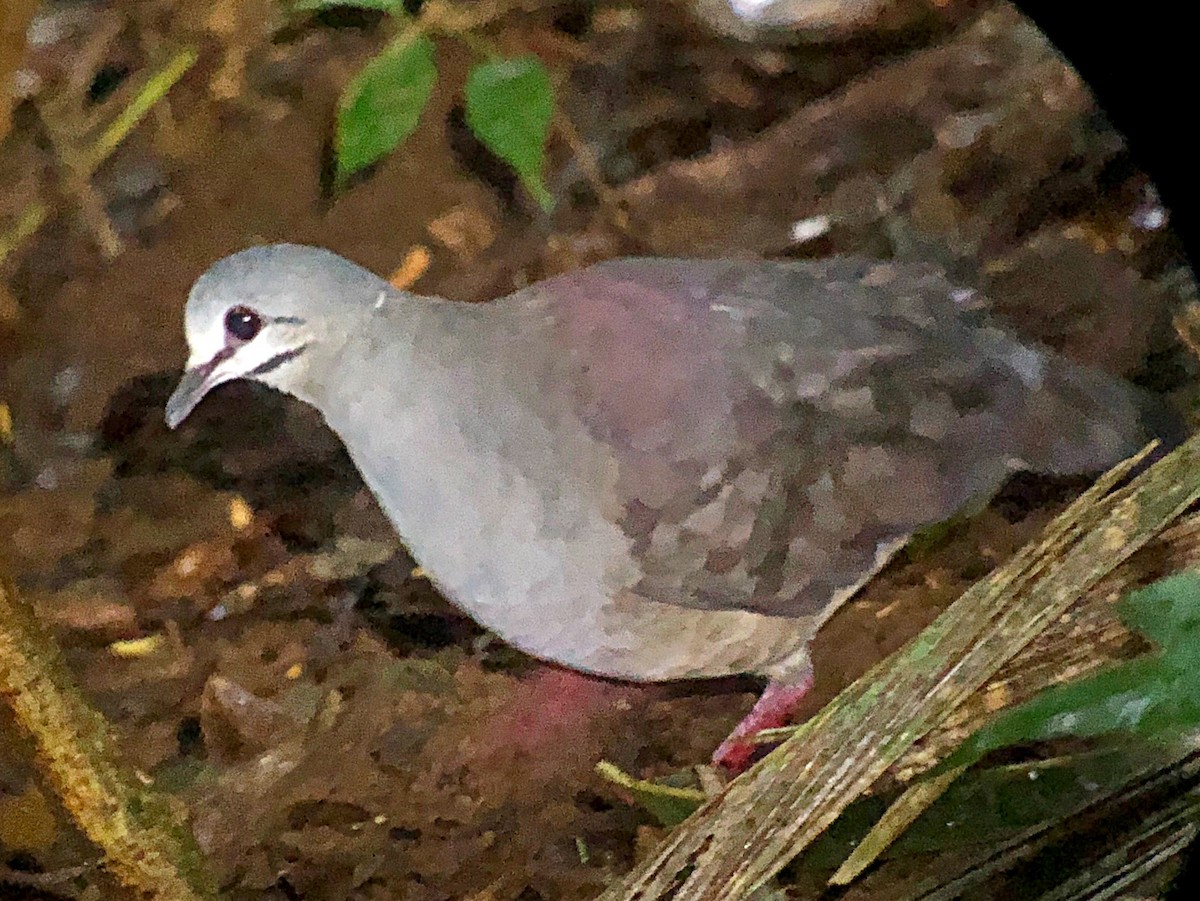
{"x":242,"y":323}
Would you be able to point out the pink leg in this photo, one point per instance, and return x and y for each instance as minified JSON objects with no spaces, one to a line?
{"x":773,"y":709}
{"x":554,"y":718}
{"x":553,"y":703}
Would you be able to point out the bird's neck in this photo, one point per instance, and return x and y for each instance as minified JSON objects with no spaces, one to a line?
{"x":387,"y":347}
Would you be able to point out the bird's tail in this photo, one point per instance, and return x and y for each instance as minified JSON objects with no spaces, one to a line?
{"x":1087,"y":420}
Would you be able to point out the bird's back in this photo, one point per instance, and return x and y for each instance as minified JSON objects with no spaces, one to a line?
{"x":781,"y":427}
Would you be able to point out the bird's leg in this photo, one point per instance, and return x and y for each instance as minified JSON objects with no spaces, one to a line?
{"x":774,"y":708}
{"x":554,"y":718}
{"x":553,"y":702}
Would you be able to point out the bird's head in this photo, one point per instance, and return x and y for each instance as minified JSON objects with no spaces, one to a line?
{"x":266,"y":314}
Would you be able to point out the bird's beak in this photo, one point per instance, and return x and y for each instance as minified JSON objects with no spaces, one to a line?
{"x":196,"y":382}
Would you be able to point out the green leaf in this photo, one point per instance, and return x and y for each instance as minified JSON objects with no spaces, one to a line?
{"x":509,"y":105}
{"x":1156,"y":696}
{"x":669,"y":804}
{"x":383,"y":104}
{"x":989,"y":806}
{"x":1167,"y":612}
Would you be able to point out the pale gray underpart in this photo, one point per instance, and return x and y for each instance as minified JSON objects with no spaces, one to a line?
{"x":659,"y":469}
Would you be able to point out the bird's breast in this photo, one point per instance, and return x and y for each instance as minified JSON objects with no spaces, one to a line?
{"x":515,"y":525}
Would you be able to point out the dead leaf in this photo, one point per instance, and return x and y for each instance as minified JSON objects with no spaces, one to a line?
{"x":238,"y":723}
{"x":94,"y":609}
{"x":464,"y":230}
{"x":26,"y":822}
{"x":415,"y":264}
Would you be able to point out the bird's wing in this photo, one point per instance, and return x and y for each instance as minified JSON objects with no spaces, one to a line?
{"x":781,"y":429}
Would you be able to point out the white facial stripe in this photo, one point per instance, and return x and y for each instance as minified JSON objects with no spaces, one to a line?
{"x":210,"y":341}
{"x":249,"y":356}
{"x":205,"y":345}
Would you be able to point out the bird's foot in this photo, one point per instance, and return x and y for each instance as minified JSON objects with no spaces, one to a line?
{"x":773,"y":709}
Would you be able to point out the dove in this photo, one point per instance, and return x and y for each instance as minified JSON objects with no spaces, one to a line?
{"x":655,"y":469}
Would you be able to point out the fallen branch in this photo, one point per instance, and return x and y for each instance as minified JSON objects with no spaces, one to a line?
{"x":146,"y":844}
{"x":761,"y":821}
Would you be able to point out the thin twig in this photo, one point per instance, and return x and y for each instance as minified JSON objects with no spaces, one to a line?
{"x":52,"y":881}
{"x":84,"y":164}
{"x":610,"y":200}
{"x":153,"y":91}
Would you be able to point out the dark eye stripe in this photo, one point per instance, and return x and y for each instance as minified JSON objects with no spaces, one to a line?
{"x":276,"y":361}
